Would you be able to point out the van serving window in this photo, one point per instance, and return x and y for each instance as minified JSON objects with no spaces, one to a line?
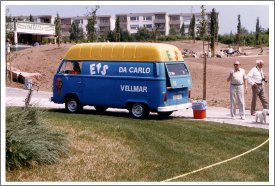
{"x":178,"y":69}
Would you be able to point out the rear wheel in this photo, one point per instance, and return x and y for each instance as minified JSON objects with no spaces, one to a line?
{"x":139,"y":110}
{"x":100,"y":109}
{"x":73,"y":105}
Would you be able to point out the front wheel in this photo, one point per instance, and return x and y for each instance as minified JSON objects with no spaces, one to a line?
{"x":73,"y":105}
{"x":139,"y":110}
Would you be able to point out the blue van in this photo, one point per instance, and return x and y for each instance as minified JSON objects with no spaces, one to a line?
{"x":140,"y":77}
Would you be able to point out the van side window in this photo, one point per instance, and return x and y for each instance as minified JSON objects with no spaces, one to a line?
{"x":71,"y":67}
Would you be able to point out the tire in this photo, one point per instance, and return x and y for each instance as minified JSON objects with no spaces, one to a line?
{"x":165,"y":114}
{"x":73,"y":105}
{"x":100,"y":109}
{"x":139,"y":110}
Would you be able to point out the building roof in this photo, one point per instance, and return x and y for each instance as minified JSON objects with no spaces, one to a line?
{"x":124,"y":51}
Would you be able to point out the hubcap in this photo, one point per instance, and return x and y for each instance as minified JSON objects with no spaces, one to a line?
{"x":72,"y":105}
{"x":137,"y":110}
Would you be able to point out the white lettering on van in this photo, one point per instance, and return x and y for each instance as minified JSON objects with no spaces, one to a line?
{"x":132,"y":88}
{"x":139,"y":70}
{"x":105,"y":68}
{"x":98,"y":66}
{"x":122,"y":70}
{"x":92,"y":69}
{"x":98,"y":69}
{"x":135,"y":70}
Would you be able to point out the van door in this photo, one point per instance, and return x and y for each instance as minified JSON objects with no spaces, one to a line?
{"x":67,"y":80}
{"x":178,"y":81}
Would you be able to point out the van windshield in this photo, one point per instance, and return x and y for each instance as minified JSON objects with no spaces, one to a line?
{"x":177,"y":69}
{"x":70,"y":67}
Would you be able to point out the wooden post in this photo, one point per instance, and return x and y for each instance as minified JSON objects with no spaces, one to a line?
{"x":10,"y":67}
{"x":7,"y":74}
{"x":204,"y":77}
{"x":204,"y":72}
{"x":8,"y":59}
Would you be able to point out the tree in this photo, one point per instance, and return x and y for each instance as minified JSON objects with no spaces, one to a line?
{"x":125,"y":36}
{"x":182,"y":30}
{"x":173,"y":31}
{"x":202,"y":30}
{"x":110,"y":36}
{"x":117,"y":30}
{"x":9,"y":26}
{"x":217,"y":27}
{"x":258,"y":30}
{"x":213,"y":31}
{"x":143,"y":34}
{"x":76,"y":33}
{"x":239,"y":30}
{"x":91,"y":31}
{"x":155,"y":33}
{"x":191,"y":29}
{"x":31,"y":18}
{"x":57,"y":23}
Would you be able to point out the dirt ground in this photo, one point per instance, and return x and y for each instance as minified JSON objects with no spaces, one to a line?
{"x":45,"y":60}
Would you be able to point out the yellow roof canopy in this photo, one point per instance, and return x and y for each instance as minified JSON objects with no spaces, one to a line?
{"x":124,"y":51}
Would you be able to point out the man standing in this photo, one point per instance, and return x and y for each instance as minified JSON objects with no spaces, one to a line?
{"x":256,"y":79}
{"x":238,"y":83}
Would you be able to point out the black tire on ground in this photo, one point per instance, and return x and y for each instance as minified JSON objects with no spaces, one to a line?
{"x":165,"y":114}
{"x":139,"y":110}
{"x":100,"y":109}
{"x":73,"y":105}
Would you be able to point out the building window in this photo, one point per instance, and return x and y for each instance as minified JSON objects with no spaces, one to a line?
{"x":174,"y":18}
{"x":148,"y":26}
{"x":104,"y":20}
{"x":134,"y":27}
{"x":147,"y":18}
{"x":79,"y":21}
{"x":134,"y":18}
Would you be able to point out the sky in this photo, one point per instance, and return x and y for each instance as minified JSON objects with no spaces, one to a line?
{"x":228,"y":12}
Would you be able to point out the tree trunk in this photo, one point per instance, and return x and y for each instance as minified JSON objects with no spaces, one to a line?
{"x":204,"y":73}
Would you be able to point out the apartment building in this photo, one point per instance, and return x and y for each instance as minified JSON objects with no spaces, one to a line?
{"x":43,"y":25}
{"x":162,"y":23}
{"x":134,"y":21}
{"x":82,"y":22}
{"x":123,"y":20}
{"x":105,"y":23}
{"x":176,"y":21}
{"x":66,"y":24}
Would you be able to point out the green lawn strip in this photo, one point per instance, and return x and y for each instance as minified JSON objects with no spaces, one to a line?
{"x":172,"y":146}
{"x":252,"y":167}
{"x":126,"y":149}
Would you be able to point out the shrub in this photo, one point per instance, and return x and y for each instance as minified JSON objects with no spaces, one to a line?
{"x":29,"y":141}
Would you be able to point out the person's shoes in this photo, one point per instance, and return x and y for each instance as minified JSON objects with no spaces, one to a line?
{"x":233,"y":117}
{"x":242,"y":118}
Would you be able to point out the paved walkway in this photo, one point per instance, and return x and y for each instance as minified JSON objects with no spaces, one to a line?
{"x":16,"y":97}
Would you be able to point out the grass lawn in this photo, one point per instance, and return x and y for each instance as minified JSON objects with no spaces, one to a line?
{"x":113,"y":147}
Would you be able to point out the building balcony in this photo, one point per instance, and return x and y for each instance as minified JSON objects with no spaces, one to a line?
{"x":65,"y":26}
{"x":160,"y":21}
{"x":104,"y":24}
{"x":174,"y":22}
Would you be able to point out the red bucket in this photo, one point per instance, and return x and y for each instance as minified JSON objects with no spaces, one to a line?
{"x":199,"y":114}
